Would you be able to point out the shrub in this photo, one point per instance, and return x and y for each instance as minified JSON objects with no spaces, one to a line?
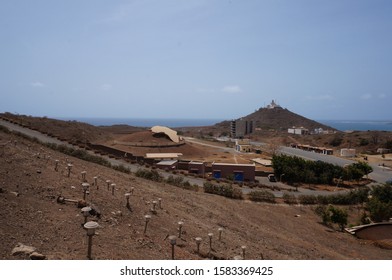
{"x":338,"y":216}
{"x":262,"y":196}
{"x":122,"y":168}
{"x":223,"y":190}
{"x":337,"y":141}
{"x":152,"y":175}
{"x":380,"y":204}
{"x":323,"y":212}
{"x":379,"y":211}
{"x":176,"y":181}
{"x":307,"y":199}
{"x":363,"y":142}
{"x":289,"y":198}
{"x":179,"y":182}
{"x":349,"y":198}
{"x":190,"y":187}
{"x":332,"y":214}
{"x":81,"y":154}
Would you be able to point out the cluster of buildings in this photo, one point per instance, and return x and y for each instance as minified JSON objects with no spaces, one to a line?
{"x":298,"y":130}
{"x":309,"y":148}
{"x":304,"y":131}
{"x":239,"y":130}
{"x":172,"y":161}
{"x":236,"y":172}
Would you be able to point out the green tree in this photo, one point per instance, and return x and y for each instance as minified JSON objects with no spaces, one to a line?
{"x":323,"y":212}
{"x":338,"y":216}
{"x":382,"y":192}
{"x":332,"y":214}
{"x":380,"y":203}
{"x":297,"y":170}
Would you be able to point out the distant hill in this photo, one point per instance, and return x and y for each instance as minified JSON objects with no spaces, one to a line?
{"x":279,"y":118}
{"x":72,"y":131}
{"x":274,"y":117}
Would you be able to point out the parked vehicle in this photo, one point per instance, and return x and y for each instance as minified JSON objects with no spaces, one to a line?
{"x":272,"y":178}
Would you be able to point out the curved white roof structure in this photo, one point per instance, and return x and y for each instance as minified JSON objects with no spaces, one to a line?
{"x":172,"y":134}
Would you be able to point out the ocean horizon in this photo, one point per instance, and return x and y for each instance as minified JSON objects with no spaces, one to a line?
{"x":342,"y":125}
{"x":147,"y":122}
{"x":359,"y":125}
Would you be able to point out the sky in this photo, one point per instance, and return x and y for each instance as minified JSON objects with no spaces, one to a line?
{"x":196,"y":59}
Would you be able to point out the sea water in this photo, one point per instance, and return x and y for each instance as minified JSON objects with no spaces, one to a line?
{"x":359,"y":125}
{"x":342,"y":125}
{"x":148,"y":122}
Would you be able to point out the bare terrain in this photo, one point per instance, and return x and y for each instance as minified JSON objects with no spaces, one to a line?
{"x":30,"y":214}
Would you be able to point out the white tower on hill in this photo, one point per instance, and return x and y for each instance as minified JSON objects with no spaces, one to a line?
{"x":273,"y":105}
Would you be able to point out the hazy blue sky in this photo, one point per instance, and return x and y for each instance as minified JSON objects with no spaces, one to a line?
{"x":329,"y":59}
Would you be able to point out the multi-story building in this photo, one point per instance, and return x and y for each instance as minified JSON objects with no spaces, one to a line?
{"x":240,"y":128}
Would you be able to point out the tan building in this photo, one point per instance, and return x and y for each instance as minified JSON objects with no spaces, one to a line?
{"x":172,"y":134}
{"x":243,"y":145}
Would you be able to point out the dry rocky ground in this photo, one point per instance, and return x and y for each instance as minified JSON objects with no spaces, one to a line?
{"x":30,"y":214}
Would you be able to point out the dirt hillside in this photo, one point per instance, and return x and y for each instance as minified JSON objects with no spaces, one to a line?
{"x":29,"y":214}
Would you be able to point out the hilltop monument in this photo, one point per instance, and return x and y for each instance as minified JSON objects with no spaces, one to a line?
{"x":273,"y":105}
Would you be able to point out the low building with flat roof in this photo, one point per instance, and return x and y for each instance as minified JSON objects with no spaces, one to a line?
{"x":264,"y":162}
{"x":243,"y":145}
{"x":347,"y":152}
{"x":167,"y":164}
{"x":163,"y":156}
{"x":298,"y":130}
{"x":239,"y":172}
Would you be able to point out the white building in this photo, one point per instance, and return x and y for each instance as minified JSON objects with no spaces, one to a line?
{"x":347,"y":152}
{"x":298,"y":130}
{"x":273,"y":105}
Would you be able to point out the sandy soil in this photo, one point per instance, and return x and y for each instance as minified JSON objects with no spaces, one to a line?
{"x":195,"y":149}
{"x":385,"y":160}
{"x":33,"y":217}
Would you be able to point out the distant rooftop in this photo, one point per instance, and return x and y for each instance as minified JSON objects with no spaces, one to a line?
{"x":163,"y":155}
{"x":232,"y":164}
{"x":172,"y":134}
